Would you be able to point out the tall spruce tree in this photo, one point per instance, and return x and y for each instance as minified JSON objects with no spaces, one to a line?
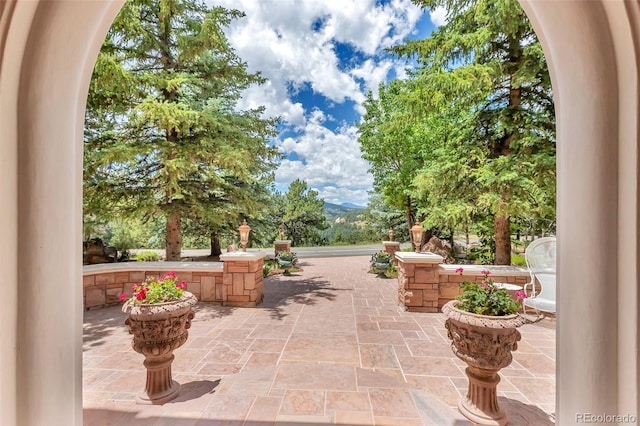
{"x":163,"y":134}
{"x":486,"y":64}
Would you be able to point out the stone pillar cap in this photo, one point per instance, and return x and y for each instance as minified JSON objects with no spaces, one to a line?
{"x":411,"y":257}
{"x":243,"y":256}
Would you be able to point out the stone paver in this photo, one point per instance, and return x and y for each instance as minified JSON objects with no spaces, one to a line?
{"x":329,"y":345}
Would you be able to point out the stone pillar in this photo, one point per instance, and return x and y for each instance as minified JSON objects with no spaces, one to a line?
{"x":45,"y":69}
{"x":391,"y":247}
{"x":242,"y":282}
{"x":418,"y":274}
{"x":597,"y":193}
{"x":281,"y":245}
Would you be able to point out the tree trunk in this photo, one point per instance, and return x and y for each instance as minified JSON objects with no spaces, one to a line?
{"x":503,"y":240}
{"x":466,"y":233}
{"x":215,"y":245}
{"x":173,"y":238}
{"x":173,"y":245}
{"x":409,"y":217}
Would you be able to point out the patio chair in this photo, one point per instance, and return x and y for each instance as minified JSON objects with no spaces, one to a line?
{"x":541,"y":261}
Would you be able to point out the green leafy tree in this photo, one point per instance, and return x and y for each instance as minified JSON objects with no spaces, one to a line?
{"x":485,"y":70}
{"x":164,"y":135}
{"x":387,"y":141}
{"x":301,"y":214}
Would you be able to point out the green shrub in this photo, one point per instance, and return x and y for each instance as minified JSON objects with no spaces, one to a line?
{"x":266,"y":270}
{"x":392,"y":272}
{"x":481,"y":255}
{"x":147,"y":256}
{"x":517,"y":260}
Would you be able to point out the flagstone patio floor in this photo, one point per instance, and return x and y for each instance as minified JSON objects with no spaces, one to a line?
{"x":329,"y":345}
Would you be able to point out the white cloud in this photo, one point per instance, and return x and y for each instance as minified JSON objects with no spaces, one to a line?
{"x":438,"y":16}
{"x":337,"y":195}
{"x":293,"y":44}
{"x":373,"y":73}
{"x":276,"y":38}
{"x":326,"y":159}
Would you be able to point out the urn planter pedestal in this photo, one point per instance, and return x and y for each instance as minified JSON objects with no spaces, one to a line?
{"x":380,"y":268}
{"x":159,"y":329}
{"x":286,"y":263}
{"x":485,"y":344}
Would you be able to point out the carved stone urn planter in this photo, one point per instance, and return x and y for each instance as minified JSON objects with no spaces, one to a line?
{"x":286,"y":260}
{"x":158,"y":329}
{"x":380,"y":268}
{"x":485,"y":344}
{"x":380,"y":262}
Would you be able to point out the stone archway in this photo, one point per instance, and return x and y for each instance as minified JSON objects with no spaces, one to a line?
{"x":592,"y":50}
{"x":47,"y":51}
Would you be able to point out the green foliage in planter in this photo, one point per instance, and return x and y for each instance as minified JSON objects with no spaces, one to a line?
{"x":287,"y":256}
{"x":484,"y":298}
{"x":381,"y":257}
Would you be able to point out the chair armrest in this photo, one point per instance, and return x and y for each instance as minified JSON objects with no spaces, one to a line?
{"x":532,"y":291}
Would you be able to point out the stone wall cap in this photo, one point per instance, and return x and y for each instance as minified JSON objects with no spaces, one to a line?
{"x":411,"y":257}
{"x":244,"y":256}
{"x":450,"y":269}
{"x":104,"y":268}
{"x":282,"y":242}
{"x":391,"y":243}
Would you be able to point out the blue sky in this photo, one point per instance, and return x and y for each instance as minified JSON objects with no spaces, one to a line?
{"x":321,"y":57}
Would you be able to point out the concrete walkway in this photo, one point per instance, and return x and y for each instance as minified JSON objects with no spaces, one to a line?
{"x":329,"y":345}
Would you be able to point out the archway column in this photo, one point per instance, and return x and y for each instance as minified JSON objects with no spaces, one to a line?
{"x":592,"y":60}
{"x":50,"y":67}
{"x":14,"y":29}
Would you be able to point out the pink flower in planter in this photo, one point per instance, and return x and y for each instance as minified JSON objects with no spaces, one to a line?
{"x":459,"y":271}
{"x":157,"y":290}
{"x":521,"y":294}
{"x":123,"y":296}
{"x":483,"y":297}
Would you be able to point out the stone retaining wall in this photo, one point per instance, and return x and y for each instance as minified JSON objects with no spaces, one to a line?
{"x":237,"y":281}
{"x":103,"y":284}
{"x":425,"y":284}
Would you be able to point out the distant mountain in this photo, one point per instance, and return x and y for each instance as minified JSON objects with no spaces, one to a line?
{"x":347,"y":211}
{"x":353,"y":206}
{"x":341,"y":208}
